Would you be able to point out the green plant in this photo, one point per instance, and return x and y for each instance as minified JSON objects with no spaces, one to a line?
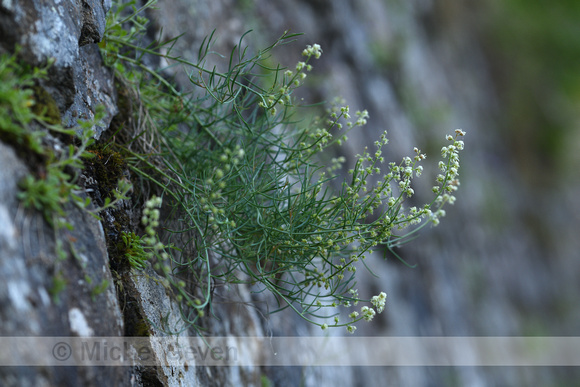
{"x":17,"y":100}
{"x":24,"y":123}
{"x":245,"y":186}
{"x":99,"y":289}
{"x":59,"y":283}
{"x":28,"y":115}
{"x":134,"y":250}
{"x":139,"y":250}
{"x":56,"y":185}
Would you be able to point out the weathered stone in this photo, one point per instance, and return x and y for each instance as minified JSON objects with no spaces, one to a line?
{"x":31,"y":303}
{"x":159,"y":316}
{"x":155,"y":313}
{"x":64,"y":31}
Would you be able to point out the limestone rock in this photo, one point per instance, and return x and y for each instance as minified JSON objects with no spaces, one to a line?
{"x":64,"y":31}
{"x":42,"y":296}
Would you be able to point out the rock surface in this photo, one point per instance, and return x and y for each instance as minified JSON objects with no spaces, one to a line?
{"x":499,"y":264}
{"x":32,"y":304}
{"x":66,"y":32}
{"x":417,"y":68}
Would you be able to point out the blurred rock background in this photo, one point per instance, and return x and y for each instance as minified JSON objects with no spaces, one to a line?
{"x":505,"y":260}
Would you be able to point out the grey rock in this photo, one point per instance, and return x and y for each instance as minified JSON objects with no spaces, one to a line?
{"x":66,"y":32}
{"x":29,"y":305}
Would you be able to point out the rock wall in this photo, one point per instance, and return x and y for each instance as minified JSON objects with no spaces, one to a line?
{"x":491,"y":268}
{"x":65,"y":32}
{"x":502,"y":261}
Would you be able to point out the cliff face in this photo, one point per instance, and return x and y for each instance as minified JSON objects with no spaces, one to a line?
{"x":31,"y":302}
{"x":77,"y":86}
{"x":493,"y":267}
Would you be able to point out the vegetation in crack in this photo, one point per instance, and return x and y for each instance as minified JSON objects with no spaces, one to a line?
{"x":244,"y":195}
{"x":30,"y":122}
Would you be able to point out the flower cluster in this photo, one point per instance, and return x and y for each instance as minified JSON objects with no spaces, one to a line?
{"x":291,"y":80}
{"x":366,"y":313}
{"x":447,"y":180}
{"x":379,"y":301}
{"x":313,"y":50}
{"x":150,"y":217}
{"x":150,"y":221}
{"x":138,"y":250}
{"x":320,"y":138}
{"x":387,"y":195}
{"x":212,"y":199}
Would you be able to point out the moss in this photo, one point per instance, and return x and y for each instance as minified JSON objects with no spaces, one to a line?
{"x":141,"y":328}
{"x":107,"y":167}
{"x":135,"y":324}
{"x":115,"y":246}
{"x":45,"y":106}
